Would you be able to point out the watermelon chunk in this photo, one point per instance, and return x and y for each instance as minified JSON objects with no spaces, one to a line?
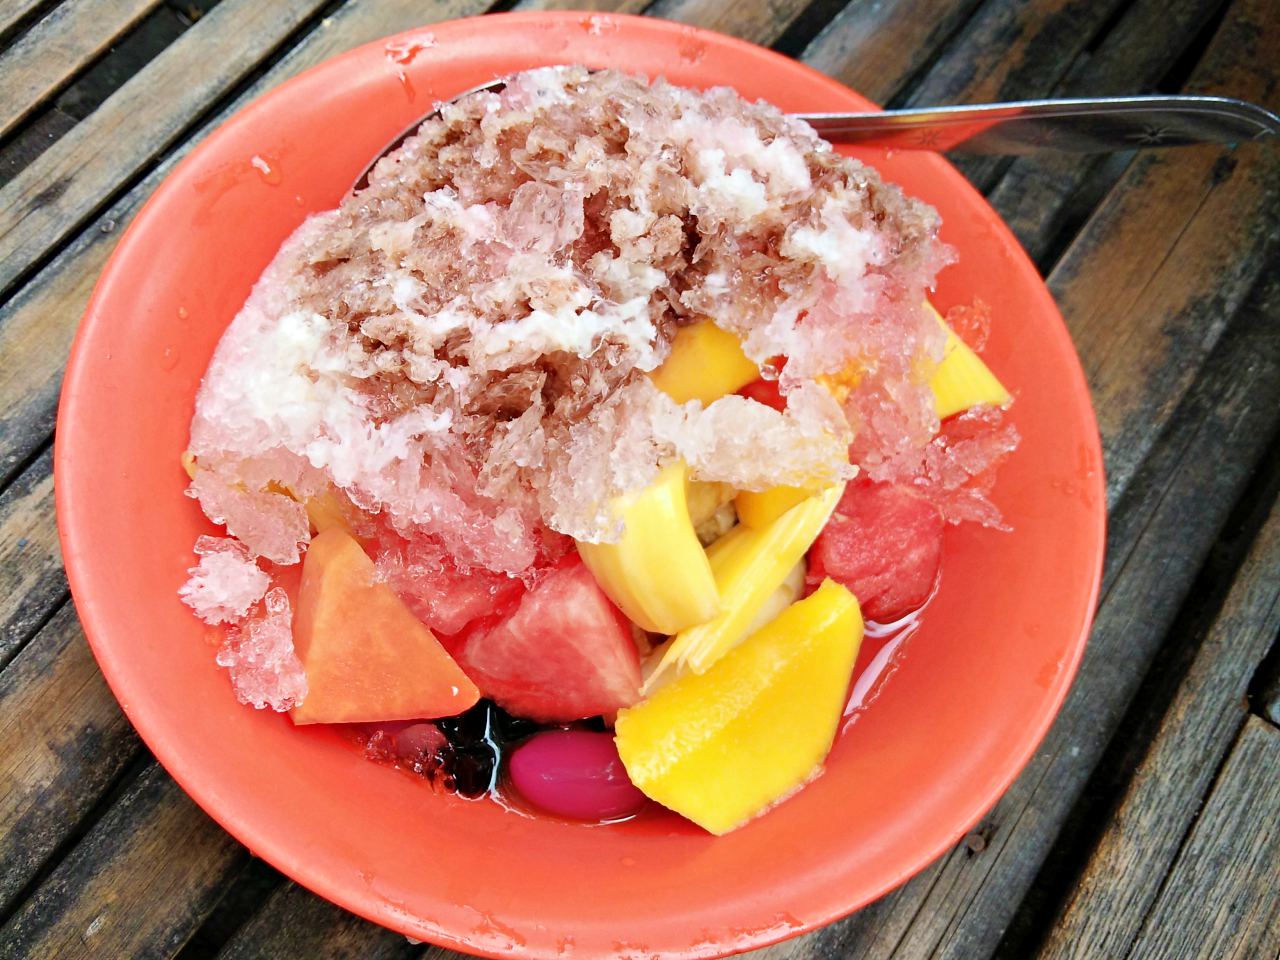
{"x":366,"y":656}
{"x":446,"y":599}
{"x":566,"y":653}
{"x":766,"y":392}
{"x":884,"y":543}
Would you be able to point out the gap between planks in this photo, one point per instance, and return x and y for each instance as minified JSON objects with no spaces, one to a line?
{"x":53,"y":51}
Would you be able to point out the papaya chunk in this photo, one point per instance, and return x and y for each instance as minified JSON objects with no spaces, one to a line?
{"x":366,"y":656}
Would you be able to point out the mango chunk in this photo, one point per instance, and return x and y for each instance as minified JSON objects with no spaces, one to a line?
{"x":657,"y":573}
{"x":748,"y":565}
{"x":761,"y":509}
{"x":705,"y":363}
{"x":722,"y":747}
{"x":962,"y":380}
{"x":366,"y":656}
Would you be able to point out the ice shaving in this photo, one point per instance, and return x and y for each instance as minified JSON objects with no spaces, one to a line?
{"x":598,"y":422}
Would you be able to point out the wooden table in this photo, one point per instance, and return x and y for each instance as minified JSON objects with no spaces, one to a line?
{"x":1148,"y":822}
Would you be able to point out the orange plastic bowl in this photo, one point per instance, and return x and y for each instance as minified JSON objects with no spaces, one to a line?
{"x":968,"y":703}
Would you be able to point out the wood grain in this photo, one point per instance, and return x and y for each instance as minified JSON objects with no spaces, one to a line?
{"x":48,"y":199}
{"x":39,"y":323}
{"x":15,"y":11}
{"x":1009,"y":50}
{"x":760,"y":21}
{"x":1220,"y":900}
{"x":136,"y":886}
{"x":1148,"y":285}
{"x":31,"y":570}
{"x":295,"y":923}
{"x":32,"y":140}
{"x":32,"y":583}
{"x":876,"y":48}
{"x":1035,"y":193}
{"x":59,"y":47}
{"x":36,"y":330}
{"x":63,"y":742}
{"x":1125,"y":873}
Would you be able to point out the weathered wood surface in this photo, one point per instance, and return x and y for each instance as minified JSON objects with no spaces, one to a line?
{"x":1127,"y":869}
{"x":136,"y":886}
{"x":13,"y":12}
{"x":1210,"y":905}
{"x":1164,"y":265}
{"x":296,"y":923}
{"x":59,"y":47}
{"x":32,"y":583}
{"x":73,"y":743}
{"x":47,"y":200}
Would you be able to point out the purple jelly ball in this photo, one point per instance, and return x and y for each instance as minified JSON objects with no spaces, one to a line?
{"x":575,"y":774}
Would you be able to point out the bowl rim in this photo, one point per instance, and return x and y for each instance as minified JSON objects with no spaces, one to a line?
{"x":184,"y":767}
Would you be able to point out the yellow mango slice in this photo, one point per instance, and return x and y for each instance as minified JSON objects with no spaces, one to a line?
{"x":705,"y":363}
{"x":749,"y":565}
{"x":657,"y":573}
{"x":962,"y":380}
{"x":761,"y":509}
{"x":722,"y":747}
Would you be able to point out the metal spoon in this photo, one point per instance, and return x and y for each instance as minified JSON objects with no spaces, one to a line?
{"x":1080,"y":125}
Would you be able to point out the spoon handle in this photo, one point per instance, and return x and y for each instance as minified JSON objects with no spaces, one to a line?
{"x":1091,"y":125}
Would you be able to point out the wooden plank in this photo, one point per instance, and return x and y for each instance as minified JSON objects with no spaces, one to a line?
{"x":63,"y":742}
{"x":1128,"y":868}
{"x":36,"y":329}
{"x":47,"y":200}
{"x":137,"y":886}
{"x":32,"y":583}
{"x":1036,"y":192}
{"x":296,"y":923}
{"x":1220,"y":901}
{"x":959,"y":907}
{"x":761,"y":23}
{"x":39,"y":322}
{"x":1149,"y":284}
{"x":875,"y":48}
{"x":133,"y":52}
{"x":1009,"y":50}
{"x":32,"y":140}
{"x":59,"y":47}
{"x":13,"y":12}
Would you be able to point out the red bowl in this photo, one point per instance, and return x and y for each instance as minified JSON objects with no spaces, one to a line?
{"x":966,"y":706}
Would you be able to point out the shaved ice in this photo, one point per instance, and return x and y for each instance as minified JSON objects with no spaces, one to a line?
{"x":460,"y":348}
{"x":225,"y":583}
{"x":259,"y":655}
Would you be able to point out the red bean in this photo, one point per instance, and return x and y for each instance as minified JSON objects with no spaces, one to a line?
{"x":419,"y":747}
{"x":575,"y":774}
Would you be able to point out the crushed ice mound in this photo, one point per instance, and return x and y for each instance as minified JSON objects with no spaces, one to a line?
{"x":225,"y":582}
{"x":460,"y":347}
{"x":259,"y":655}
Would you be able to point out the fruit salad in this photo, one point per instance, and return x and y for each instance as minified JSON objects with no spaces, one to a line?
{"x":569,"y":460}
